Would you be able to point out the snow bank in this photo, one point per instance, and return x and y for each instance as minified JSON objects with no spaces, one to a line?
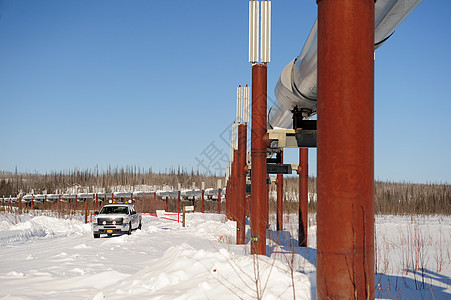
{"x":29,"y":227}
{"x":186,"y":273}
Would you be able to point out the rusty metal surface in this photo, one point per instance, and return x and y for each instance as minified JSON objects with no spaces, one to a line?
{"x":203,"y":201}
{"x":303,"y":196}
{"x":233,"y":205}
{"x":258,"y":157}
{"x":219,"y":200}
{"x":345,"y":234}
{"x":241,"y":193}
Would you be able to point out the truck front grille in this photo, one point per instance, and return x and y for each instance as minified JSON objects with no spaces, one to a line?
{"x":109,"y":221}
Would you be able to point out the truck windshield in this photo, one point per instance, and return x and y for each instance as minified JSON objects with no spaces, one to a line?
{"x":114,"y":210}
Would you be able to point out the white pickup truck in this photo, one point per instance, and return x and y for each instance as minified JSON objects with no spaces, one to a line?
{"x":116,"y":218}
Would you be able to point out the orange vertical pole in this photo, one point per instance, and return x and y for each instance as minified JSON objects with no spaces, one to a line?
{"x":45,"y":202}
{"x":227,"y":197}
{"x":86,"y":211}
{"x":203,"y":200}
{"x":258,"y":152}
{"x":345,"y":236}
{"x":232,"y":190}
{"x":235,"y":184}
{"x":241,"y":185}
{"x":247,"y":207}
{"x":178,"y":202}
{"x":58,"y":204}
{"x":303,"y":197}
{"x":279,"y":184}
{"x":219,"y":200}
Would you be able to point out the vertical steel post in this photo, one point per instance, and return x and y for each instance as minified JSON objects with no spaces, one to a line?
{"x":247,"y":207}
{"x":86,"y":210}
{"x":227,"y":199}
{"x":279,"y":184}
{"x":241,"y":194}
{"x":219,"y":200}
{"x":203,"y":196}
{"x":258,"y":152}
{"x":303,"y":197}
{"x":178,"y":201}
{"x":235,"y":185}
{"x":203,"y":200}
{"x":345,"y":237}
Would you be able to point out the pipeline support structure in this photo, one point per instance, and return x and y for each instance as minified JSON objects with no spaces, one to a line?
{"x":258,"y":160}
{"x":345,"y":235}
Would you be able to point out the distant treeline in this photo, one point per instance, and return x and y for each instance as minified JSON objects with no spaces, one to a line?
{"x":395,"y":197}
{"x":11,"y":183}
{"x":390,"y":197}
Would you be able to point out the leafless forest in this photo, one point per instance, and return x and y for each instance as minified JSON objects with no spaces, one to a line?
{"x":390,"y":197}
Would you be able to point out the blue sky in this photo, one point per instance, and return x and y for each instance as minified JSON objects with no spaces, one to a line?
{"x":153,"y":84}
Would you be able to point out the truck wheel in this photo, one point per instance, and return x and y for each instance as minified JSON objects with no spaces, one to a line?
{"x":96,"y":235}
{"x":139,"y":226}
{"x":129,"y":230}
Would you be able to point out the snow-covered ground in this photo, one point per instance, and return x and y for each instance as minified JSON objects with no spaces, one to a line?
{"x":45,"y":257}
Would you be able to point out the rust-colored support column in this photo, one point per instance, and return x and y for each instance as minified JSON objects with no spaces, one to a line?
{"x":279,"y":184}
{"x":227,"y":196}
{"x":235,"y":184}
{"x":178,"y":201}
{"x":258,"y":153}
{"x":247,"y":207}
{"x":232,"y":195}
{"x":45,"y":202}
{"x":86,"y":211}
{"x":345,"y":237}
{"x":303,"y":197}
{"x":241,"y":186}
{"x":203,"y":200}
{"x":219,"y":200}
{"x":32,"y":202}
